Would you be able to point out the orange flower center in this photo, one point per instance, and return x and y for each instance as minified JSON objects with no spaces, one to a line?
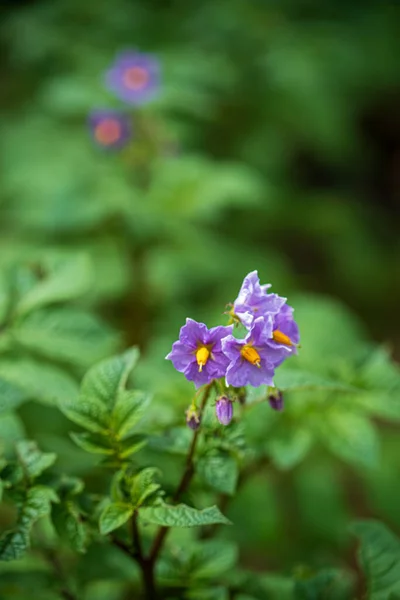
{"x":202,"y":356}
{"x":251,"y":355}
{"x":281,"y":338}
{"x":108,"y":132}
{"x":135,"y":78}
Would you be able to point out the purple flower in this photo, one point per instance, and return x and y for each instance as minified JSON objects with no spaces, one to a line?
{"x":192,"y":418}
{"x":198,"y":353}
{"x":253,"y":359}
{"x":224,"y":410}
{"x":254,"y":301}
{"x":134,"y":77}
{"x":275,"y":399}
{"x":285,"y":330}
{"x":110,"y":128}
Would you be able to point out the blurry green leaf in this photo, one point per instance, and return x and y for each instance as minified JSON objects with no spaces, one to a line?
{"x":182,"y":516}
{"x":36,"y":504}
{"x":5,"y":298}
{"x":70,"y":526}
{"x":213,"y":558}
{"x":379,"y":557}
{"x":292,"y":379}
{"x":66,"y":334}
{"x":128,"y":410}
{"x":330,"y":584}
{"x":143,"y":486}
{"x":63,"y":279}
{"x":37,"y":380}
{"x":33,"y":461}
{"x":350,"y":436}
{"x":220,"y":471}
{"x":288,"y":446}
{"x":11,"y":430}
{"x":212,"y":593}
{"x":91,"y":443}
{"x":114,"y":515}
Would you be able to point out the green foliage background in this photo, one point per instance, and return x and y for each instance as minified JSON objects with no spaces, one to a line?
{"x":273,"y":145}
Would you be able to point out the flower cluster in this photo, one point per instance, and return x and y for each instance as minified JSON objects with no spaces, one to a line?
{"x":204,"y":355}
{"x":133,"y":78}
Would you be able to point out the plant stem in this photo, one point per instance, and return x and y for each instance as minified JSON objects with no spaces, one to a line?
{"x":184,"y":482}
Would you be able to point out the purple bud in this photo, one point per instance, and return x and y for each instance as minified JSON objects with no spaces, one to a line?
{"x":276,"y":400}
{"x":192,"y":418}
{"x":224,"y":410}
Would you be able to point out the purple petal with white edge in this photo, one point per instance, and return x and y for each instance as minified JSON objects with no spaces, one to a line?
{"x":194,"y":333}
{"x":261,"y":330}
{"x":180,"y":356}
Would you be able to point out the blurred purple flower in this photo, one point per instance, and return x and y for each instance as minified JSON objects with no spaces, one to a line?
{"x":254,"y":300}
{"x":198,"y":353}
{"x":224,"y":410}
{"x":110,"y":129}
{"x":285,"y":330}
{"x":275,"y":399}
{"x":254,"y":358}
{"x":134,"y":77}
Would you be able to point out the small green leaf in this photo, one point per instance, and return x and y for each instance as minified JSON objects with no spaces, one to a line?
{"x":33,"y":461}
{"x":182,"y":516}
{"x":213,"y":559}
{"x":128,"y":410}
{"x":143,"y":486}
{"x":288,"y":446}
{"x":114,"y":515}
{"x":219,"y":471}
{"x":36,"y":504}
{"x":69,"y":525}
{"x":379,"y":557}
{"x":91,"y":443}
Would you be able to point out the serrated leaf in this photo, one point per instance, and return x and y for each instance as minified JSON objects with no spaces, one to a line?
{"x":379,"y":557}
{"x":114,"y":515}
{"x":63,"y":279}
{"x":36,"y":504}
{"x":91,"y":443}
{"x":350,"y":436}
{"x":143,"y":486}
{"x":66,"y":334}
{"x":219,"y":471}
{"x":33,"y":461}
{"x":69,"y":525}
{"x":182,"y":516}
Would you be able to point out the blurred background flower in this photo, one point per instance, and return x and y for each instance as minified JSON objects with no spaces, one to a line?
{"x":109,"y":129}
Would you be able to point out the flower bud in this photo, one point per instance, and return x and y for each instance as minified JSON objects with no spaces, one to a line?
{"x":276,"y":400}
{"x":224,"y":410}
{"x":192,"y":418}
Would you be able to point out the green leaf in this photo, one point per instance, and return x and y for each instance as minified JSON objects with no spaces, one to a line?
{"x":143,"y":486}
{"x":291,"y":379}
{"x":37,"y":381}
{"x":11,"y":430}
{"x":66,"y":334}
{"x":114,"y":515}
{"x":36,"y":504}
{"x":213,"y":559}
{"x":350,"y":436}
{"x":63,"y":279}
{"x":287,"y":446}
{"x":33,"y":461}
{"x":182,"y":516}
{"x":91,"y":443}
{"x":5,"y":296}
{"x":219,"y":471}
{"x":379,"y":557}
{"x":330,"y":584}
{"x":70,"y":526}
{"x":128,"y":410}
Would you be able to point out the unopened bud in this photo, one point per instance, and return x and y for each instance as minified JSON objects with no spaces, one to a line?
{"x":192,"y":418}
{"x":276,"y":400}
{"x":224,"y":410}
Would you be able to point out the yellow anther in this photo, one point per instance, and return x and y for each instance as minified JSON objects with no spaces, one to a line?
{"x":202,"y":356}
{"x":251,"y":354}
{"x":282,"y":338}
